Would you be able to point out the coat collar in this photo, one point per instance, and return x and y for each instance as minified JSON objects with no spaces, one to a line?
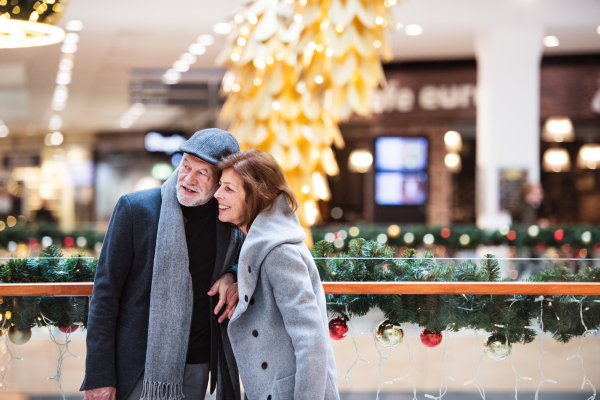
{"x":270,"y":229}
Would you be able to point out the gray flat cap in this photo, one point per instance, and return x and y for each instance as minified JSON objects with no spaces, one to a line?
{"x":211,"y":145}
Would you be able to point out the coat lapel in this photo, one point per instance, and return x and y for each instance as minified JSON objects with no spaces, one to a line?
{"x":224,"y":246}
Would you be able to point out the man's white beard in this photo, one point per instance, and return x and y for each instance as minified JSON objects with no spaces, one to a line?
{"x":193,"y":201}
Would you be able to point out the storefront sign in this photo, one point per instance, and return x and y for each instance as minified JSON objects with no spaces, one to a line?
{"x":404,"y":99}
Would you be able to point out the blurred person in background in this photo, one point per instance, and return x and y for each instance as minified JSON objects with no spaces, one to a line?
{"x":45,"y":214}
{"x":525,"y":210}
{"x":152,"y":333}
{"x":279,"y":331}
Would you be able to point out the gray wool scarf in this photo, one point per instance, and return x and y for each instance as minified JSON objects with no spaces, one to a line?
{"x":171,"y":302}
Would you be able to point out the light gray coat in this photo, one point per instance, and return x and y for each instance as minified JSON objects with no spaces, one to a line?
{"x":279,"y":330}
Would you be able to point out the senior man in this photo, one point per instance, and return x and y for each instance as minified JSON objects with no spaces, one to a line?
{"x":154,"y":332}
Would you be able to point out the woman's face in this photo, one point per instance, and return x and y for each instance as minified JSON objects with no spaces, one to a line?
{"x":232,"y":198}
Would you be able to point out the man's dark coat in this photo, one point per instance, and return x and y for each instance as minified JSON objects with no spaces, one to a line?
{"x":120,"y":306}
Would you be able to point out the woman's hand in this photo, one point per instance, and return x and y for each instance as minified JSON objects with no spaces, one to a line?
{"x":228,"y":295}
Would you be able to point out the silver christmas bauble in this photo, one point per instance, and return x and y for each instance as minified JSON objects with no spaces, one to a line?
{"x":496,"y":347}
{"x":389,"y":334}
{"x":19,"y":337}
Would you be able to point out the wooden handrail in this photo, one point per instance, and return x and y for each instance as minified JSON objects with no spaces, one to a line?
{"x":507,"y":288}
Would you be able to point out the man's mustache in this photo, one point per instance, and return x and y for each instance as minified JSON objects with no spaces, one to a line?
{"x":188,"y":187}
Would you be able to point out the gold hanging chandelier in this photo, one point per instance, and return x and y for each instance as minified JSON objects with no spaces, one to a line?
{"x":28,"y":23}
{"x":295,"y":70}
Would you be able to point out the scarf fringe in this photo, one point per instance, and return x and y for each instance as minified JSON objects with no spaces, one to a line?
{"x":162,"y":391}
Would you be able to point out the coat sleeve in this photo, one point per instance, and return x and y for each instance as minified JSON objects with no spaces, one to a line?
{"x":113,"y":268}
{"x":289,"y":277}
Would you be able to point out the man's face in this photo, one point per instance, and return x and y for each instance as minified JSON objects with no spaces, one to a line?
{"x":196,"y":181}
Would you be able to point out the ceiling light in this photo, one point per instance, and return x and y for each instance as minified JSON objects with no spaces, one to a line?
{"x":551,"y":41}
{"x":360,"y":160}
{"x":453,"y":162}
{"x":63,"y":78}
{"x":222,"y":28}
{"x":69,"y":48}
{"x":56,"y":138}
{"x":245,"y":30}
{"x":58,"y":106}
{"x":453,"y":141}
{"x":320,"y":186}
{"x":598,"y":30}
{"x":558,"y":129}
{"x":241,"y":41}
{"x":138,"y":109}
{"x":71,"y":37}
{"x":55,"y":123}
{"x":556,"y":160}
{"x":399,"y":26}
{"x":60,"y":94}
{"x":297,"y":18}
{"x":181,"y":66}
{"x":188,"y":58}
{"x":197,"y":49}
{"x":252,"y":19}
{"x":207,"y":40}
{"x":4,"y":131}
{"x":74,"y":25}
{"x":66,"y":64}
{"x":15,"y":33}
{"x":318,"y":79}
{"x":239,"y":18}
{"x":589,"y":156}
{"x":171,"y":76}
{"x":413,"y":30}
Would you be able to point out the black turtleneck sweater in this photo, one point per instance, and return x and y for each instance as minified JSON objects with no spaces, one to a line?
{"x":201,"y":238}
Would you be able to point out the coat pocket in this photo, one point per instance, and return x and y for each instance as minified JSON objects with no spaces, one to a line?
{"x":285,"y":387}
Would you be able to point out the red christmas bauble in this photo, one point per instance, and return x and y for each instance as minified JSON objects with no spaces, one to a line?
{"x":430,"y":339}
{"x":338,"y":328}
{"x":69,"y":329}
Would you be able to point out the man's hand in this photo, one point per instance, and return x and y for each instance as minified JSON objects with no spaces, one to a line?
{"x":228,"y":294}
{"x":105,"y":393}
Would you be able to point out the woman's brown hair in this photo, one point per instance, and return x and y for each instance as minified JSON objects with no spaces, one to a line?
{"x":263,"y":181}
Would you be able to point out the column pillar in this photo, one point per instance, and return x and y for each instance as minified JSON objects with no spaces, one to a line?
{"x":508,"y":83}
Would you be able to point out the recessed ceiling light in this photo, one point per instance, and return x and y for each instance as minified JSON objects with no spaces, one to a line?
{"x":197,"y":49}
{"x":207,"y":40}
{"x":222,"y":28}
{"x":551,"y":41}
{"x":74,"y":25}
{"x":598,"y":30}
{"x":413,"y":30}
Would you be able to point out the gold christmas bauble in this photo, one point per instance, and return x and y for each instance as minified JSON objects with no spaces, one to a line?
{"x":389,"y":334}
{"x":19,"y":337}
{"x":496,"y":347}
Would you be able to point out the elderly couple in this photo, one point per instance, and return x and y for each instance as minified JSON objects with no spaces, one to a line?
{"x":166,"y":287}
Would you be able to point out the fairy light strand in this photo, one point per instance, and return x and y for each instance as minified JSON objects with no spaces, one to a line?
{"x":446,"y":377}
{"x":475,"y":381}
{"x":412,"y":368}
{"x":10,"y":356}
{"x":63,"y":353}
{"x":381,"y":358}
{"x":580,"y":358}
{"x":358,"y":357}
{"x":542,"y":352}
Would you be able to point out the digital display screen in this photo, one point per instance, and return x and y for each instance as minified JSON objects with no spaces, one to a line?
{"x":400,"y":154}
{"x":398,"y":188}
{"x":400,"y":177}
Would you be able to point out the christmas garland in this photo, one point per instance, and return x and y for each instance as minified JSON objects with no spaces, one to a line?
{"x":462,"y":237}
{"x":506,"y":318}
{"x":33,"y":234}
{"x":21,"y":313}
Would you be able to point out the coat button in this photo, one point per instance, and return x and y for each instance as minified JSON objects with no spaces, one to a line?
{"x":251,"y":300}
{"x":246,"y":298}
{"x":264,"y":365}
{"x":255,"y":333}
{"x":249,"y":269}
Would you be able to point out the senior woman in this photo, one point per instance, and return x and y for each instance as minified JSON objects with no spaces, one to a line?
{"x":278,"y":332}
